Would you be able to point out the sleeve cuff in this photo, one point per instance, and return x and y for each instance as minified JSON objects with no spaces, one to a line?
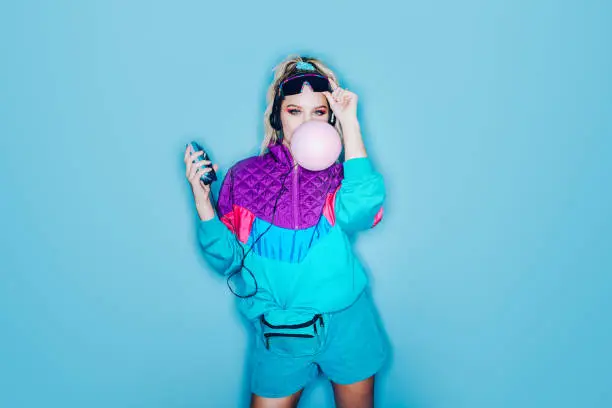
{"x":357,"y":167}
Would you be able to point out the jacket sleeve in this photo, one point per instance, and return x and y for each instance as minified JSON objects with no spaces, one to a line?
{"x":359,"y":199}
{"x":220,"y":246}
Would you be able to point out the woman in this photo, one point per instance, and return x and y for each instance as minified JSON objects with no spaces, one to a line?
{"x":281,"y":239}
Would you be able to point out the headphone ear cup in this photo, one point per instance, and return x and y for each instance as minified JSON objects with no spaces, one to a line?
{"x":275,"y":121}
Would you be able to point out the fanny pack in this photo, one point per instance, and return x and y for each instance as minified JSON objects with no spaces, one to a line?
{"x":303,"y":338}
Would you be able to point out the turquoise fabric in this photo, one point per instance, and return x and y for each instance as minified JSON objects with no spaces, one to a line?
{"x":327,"y":277}
{"x":285,"y":244}
{"x":352,"y":347}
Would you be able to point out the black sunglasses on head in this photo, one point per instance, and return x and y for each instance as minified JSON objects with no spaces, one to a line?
{"x":293,"y":85}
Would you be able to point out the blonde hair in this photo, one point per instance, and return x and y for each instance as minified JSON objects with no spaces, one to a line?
{"x":282,"y":72}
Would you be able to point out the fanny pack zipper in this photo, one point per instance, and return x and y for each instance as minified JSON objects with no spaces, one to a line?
{"x":294,"y":326}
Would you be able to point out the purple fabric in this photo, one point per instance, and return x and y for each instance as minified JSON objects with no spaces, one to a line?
{"x":255,"y":184}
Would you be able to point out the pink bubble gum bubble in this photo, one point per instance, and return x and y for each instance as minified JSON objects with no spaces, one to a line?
{"x":315,"y":145}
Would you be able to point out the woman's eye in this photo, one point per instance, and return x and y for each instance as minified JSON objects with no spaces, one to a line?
{"x":293,"y":111}
{"x":320,"y":113}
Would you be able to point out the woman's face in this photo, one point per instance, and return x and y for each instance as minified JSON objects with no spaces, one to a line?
{"x":299,"y":108}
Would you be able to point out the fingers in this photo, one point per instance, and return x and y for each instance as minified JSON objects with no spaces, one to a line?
{"x":199,"y":166}
{"x":336,"y":98}
{"x":333,"y":84}
{"x":337,"y":94}
{"x":191,"y":173}
{"x":329,"y":97}
{"x":188,"y":151}
{"x":342,"y":97}
{"x":191,"y":159}
{"x":193,"y":166}
{"x":197,"y":172}
{"x":346,"y":97}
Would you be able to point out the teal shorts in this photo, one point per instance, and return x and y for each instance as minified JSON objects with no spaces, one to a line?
{"x":346,"y":346}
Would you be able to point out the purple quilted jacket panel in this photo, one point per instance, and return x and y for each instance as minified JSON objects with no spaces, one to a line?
{"x":255,"y":184}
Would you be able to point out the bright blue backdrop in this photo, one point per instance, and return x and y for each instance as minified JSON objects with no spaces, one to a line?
{"x":491,"y":122}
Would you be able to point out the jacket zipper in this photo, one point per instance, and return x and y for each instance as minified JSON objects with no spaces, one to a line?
{"x":295,"y":197}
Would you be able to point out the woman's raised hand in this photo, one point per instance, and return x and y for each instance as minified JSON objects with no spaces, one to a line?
{"x":194,"y":170}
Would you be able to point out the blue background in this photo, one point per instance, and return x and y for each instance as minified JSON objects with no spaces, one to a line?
{"x":491,"y":122}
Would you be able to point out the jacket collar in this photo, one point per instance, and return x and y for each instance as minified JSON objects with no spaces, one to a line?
{"x":280,"y":153}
